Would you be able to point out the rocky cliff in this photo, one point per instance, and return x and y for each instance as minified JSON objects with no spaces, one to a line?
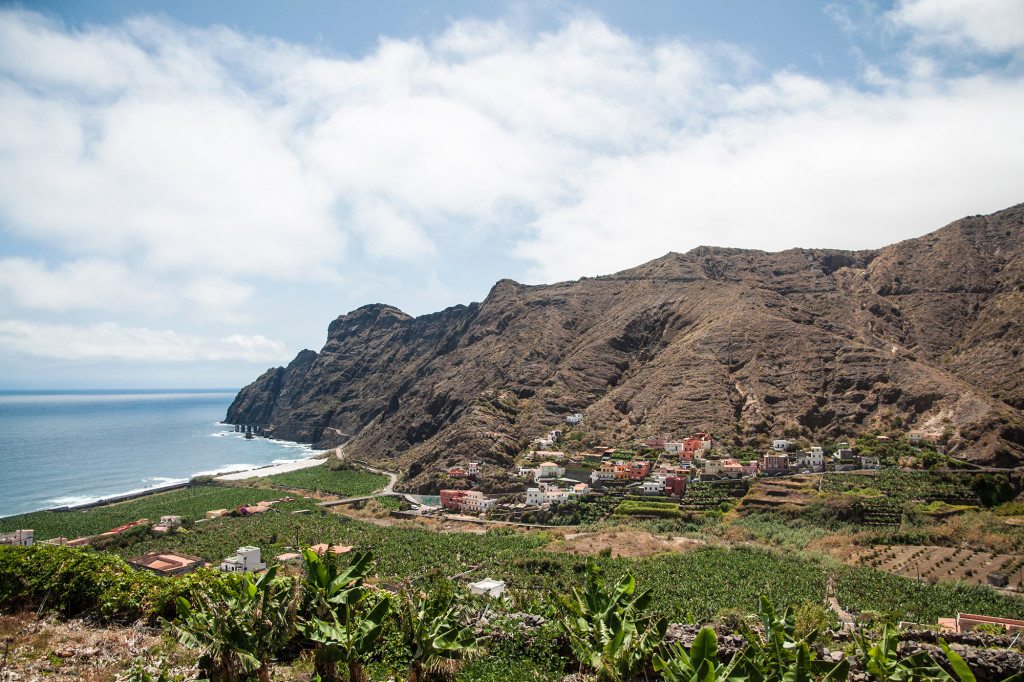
{"x":925,"y":333}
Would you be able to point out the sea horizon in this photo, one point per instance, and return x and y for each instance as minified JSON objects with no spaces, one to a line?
{"x":75,"y":447}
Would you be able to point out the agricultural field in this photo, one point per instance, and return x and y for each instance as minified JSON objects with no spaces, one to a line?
{"x":938,"y":563}
{"x":347,"y":482}
{"x":647,"y":508}
{"x":699,"y":496}
{"x":190,"y":503}
{"x":904,"y":486}
{"x":696,"y":584}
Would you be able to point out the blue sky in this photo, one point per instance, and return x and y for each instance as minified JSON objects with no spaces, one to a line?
{"x":191,"y":191}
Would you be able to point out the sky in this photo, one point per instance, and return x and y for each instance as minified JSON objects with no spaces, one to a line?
{"x":191,"y":191}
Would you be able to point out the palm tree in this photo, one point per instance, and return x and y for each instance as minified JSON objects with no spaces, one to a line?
{"x":238,"y":624}
{"x":338,"y":617}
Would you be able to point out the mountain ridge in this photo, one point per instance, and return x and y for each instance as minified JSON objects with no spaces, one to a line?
{"x":922,"y":333}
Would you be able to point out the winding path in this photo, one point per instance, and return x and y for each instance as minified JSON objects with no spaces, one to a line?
{"x":386,"y":491}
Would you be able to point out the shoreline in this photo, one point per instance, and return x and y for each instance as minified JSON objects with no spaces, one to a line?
{"x":315,"y":457}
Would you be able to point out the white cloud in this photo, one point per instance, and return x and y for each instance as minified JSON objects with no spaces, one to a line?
{"x":109,"y":341}
{"x":108,"y":286}
{"x":995,"y":26}
{"x":213,"y":164}
{"x":89,"y":283}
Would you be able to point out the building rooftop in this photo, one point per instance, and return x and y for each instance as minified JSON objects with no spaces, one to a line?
{"x":335,"y":549}
{"x":166,"y":562}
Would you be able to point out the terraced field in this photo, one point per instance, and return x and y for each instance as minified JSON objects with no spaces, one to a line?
{"x":792,"y":492}
{"x":937,"y":563}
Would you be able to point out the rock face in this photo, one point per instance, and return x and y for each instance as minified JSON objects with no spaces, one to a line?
{"x":924,"y":334}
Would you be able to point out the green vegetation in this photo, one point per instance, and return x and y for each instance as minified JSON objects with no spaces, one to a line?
{"x":189,"y":503}
{"x":772,"y":529}
{"x":430,"y":629}
{"x":347,"y":482}
{"x":697,"y":584}
{"x":611,"y":631}
{"x":647,"y":508}
{"x":988,"y":489}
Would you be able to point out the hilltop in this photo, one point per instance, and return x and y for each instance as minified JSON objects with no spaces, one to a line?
{"x":923,"y":334}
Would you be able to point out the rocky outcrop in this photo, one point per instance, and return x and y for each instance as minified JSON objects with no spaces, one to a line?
{"x":921,"y":334}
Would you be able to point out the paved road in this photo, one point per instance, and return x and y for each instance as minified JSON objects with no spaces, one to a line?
{"x":387,"y":490}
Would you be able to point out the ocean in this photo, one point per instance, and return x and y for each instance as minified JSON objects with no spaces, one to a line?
{"x":72,"y":447}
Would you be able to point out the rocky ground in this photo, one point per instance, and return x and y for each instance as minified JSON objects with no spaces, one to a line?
{"x":74,"y":651}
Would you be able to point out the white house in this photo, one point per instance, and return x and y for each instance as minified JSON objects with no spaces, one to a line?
{"x":245,"y":559}
{"x":535,"y":496}
{"x":653,"y":486}
{"x":674,"y":447}
{"x":574,"y":418}
{"x":473,"y":468}
{"x":816,"y":457}
{"x":474,"y":501}
{"x":23,"y":538}
{"x":527,"y":472}
{"x":780,"y":445}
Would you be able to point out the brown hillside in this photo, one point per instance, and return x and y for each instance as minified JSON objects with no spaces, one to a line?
{"x":925,"y":333}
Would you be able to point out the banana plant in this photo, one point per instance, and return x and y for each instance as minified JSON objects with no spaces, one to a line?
{"x":699,"y":664}
{"x":436,"y":632}
{"x":238,"y":624}
{"x":609,"y":629}
{"x":778,"y":656}
{"x":338,"y":616}
{"x":882,"y":661}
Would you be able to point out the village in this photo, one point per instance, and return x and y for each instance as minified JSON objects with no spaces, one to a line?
{"x":661,"y":467}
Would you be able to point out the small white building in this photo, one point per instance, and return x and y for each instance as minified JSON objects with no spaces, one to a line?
{"x":488,"y":587}
{"x":867,"y":462}
{"x":780,"y":445}
{"x":473,"y":468}
{"x":653,"y":486}
{"x":21,"y":538}
{"x":675,"y":447}
{"x":170,"y":521}
{"x":535,"y":496}
{"x":245,"y":560}
{"x":475,"y":502}
{"x":816,"y":457}
{"x":575,"y":418}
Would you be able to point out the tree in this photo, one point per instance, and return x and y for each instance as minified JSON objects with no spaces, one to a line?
{"x":238,"y":624}
{"x":338,"y":615}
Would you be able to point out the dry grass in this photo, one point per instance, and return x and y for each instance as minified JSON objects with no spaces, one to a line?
{"x":74,"y":651}
{"x":622,"y":541}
